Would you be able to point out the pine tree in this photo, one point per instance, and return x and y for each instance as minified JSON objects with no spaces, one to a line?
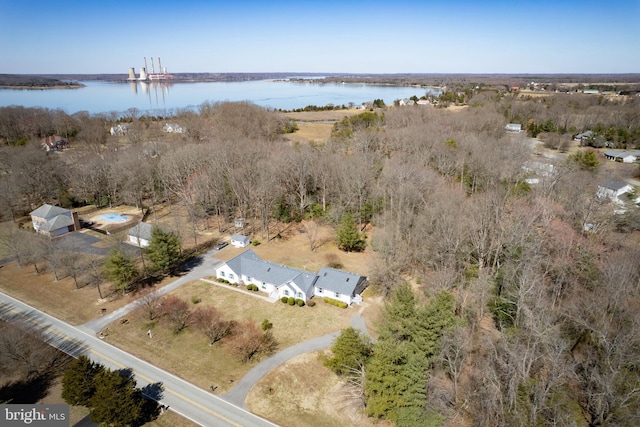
{"x":120,"y":269}
{"x":77,"y":382}
{"x":116,"y":400}
{"x":351,"y":349}
{"x":349,"y":238}
{"x":163,"y":250}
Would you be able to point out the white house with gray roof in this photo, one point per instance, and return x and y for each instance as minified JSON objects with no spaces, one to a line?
{"x":283,"y":281}
{"x":140,"y":234}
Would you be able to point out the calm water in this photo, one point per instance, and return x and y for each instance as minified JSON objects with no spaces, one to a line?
{"x":164,"y":99}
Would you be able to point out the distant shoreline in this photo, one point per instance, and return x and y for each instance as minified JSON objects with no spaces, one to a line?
{"x":69,"y":86}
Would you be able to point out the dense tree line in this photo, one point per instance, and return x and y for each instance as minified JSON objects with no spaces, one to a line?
{"x":549,"y":335}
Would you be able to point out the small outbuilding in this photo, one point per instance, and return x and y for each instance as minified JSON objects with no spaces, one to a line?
{"x":240,"y":241}
{"x":140,"y":235}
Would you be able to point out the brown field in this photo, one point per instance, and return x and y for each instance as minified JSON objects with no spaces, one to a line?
{"x":314,"y":396}
{"x":315,"y":126}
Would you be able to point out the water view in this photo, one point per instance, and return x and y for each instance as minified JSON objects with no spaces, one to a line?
{"x":166,"y":98}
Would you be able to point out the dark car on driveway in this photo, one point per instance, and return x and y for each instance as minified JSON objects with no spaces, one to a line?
{"x":221,"y":245}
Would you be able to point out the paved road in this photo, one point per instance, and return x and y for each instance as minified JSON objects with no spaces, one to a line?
{"x":178,"y":395}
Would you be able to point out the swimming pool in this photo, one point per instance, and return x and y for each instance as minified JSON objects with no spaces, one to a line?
{"x":114,"y":218}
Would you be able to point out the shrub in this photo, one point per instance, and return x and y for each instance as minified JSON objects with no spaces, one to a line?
{"x":284,"y":300}
{"x":255,"y":242}
{"x":291,"y":301}
{"x":333,"y":261}
{"x":266,"y":325}
{"x":195,"y":299}
{"x":311,"y":303}
{"x":300,"y":302}
{"x":252,"y":287}
{"x":221,"y":280}
{"x":335,"y":302}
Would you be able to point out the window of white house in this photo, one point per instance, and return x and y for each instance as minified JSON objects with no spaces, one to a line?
{"x":319,"y":290}
{"x":299,"y":294}
{"x":337,"y":294}
{"x":222,"y":274}
{"x":286,"y":293}
{"x":231,"y":276}
{"x":264,"y":285}
{"x":248,"y":279}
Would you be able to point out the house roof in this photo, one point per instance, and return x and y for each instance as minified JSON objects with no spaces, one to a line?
{"x":58,"y":222}
{"x":338,"y":281}
{"x":251,"y":265}
{"x":622,"y":154}
{"x":49,"y":211}
{"x":239,"y":238}
{"x":141,"y":231}
{"x":612,"y":184}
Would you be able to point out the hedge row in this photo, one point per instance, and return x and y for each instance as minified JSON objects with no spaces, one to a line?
{"x":335,"y":302}
{"x":292,"y":301}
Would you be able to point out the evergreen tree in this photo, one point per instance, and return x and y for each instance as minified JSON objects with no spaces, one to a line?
{"x":349,"y":238}
{"x":120,"y":269}
{"x":351,"y":349}
{"x":77,"y":382}
{"x":116,"y":400}
{"x":163,"y":250}
{"x":397,"y":372}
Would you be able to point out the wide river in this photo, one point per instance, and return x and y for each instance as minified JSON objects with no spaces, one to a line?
{"x":165,"y":99}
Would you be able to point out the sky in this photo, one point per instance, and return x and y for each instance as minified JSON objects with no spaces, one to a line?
{"x":331,"y":36}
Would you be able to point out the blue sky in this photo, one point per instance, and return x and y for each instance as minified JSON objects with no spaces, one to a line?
{"x":428,"y":36}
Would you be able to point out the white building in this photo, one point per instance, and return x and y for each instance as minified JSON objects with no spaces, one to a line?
{"x":281,"y":281}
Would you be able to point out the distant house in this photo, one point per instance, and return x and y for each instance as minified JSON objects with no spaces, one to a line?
{"x":54,"y":143}
{"x":240,"y":241}
{"x":119,"y":130}
{"x":282,"y":281}
{"x":423,"y":102}
{"x":613,"y":189}
{"x":622,"y":156}
{"x":584,"y":136}
{"x":591,"y":91}
{"x":514,"y":127}
{"x":173,"y":128}
{"x":54,"y":221}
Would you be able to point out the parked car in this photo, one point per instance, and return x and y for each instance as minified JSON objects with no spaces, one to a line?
{"x":221,"y":245}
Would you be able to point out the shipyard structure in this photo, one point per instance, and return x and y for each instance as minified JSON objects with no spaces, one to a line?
{"x":145,"y":76}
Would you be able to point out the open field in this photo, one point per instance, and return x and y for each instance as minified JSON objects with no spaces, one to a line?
{"x":315,"y":397}
{"x":60,"y":299}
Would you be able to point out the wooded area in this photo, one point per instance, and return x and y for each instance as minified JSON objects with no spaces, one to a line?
{"x":546,"y":327}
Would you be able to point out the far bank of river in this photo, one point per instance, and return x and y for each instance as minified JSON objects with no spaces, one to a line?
{"x":167,"y":98}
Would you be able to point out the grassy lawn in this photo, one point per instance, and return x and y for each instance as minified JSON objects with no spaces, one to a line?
{"x":205,"y":365}
{"x":60,"y":299}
